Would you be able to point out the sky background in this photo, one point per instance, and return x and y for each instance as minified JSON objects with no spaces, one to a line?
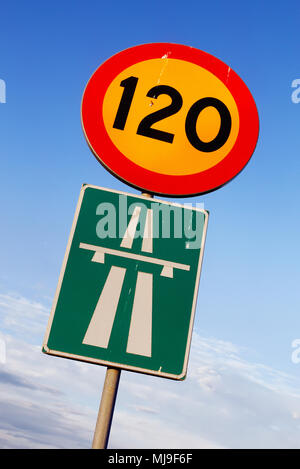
{"x":242,"y":388}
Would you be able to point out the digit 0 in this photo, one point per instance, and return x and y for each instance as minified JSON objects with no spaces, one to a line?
{"x":191,"y":121}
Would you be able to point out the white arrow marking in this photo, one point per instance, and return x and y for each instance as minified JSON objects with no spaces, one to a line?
{"x":166,"y":272}
{"x":98,"y":257}
{"x":147,"y":245}
{"x":140,"y":332}
{"x":138,"y":257}
{"x":99,"y":330}
{"x":131,"y":229}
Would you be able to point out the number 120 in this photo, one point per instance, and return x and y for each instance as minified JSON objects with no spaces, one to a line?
{"x":145,"y":126}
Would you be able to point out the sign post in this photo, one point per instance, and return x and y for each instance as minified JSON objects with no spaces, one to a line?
{"x":107,"y":404}
{"x":127,"y":291}
{"x":169,"y":120}
{"x":106,"y":409}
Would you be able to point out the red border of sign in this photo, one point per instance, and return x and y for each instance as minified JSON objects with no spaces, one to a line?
{"x":155,"y":183}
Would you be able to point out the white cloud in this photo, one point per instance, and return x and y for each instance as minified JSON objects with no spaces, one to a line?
{"x":24,"y":317}
{"x":226,"y":400}
{"x":145,"y":431}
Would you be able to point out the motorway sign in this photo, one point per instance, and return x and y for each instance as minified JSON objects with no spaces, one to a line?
{"x":169,"y":119}
{"x":127,"y":291}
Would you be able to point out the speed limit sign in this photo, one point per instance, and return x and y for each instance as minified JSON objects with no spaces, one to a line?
{"x":169,"y":119}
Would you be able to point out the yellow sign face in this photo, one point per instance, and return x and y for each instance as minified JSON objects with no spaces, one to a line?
{"x":150,"y":107}
{"x":169,"y":119}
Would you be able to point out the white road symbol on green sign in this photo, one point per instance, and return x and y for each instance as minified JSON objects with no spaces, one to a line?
{"x":127,"y":298}
{"x":140,"y":331}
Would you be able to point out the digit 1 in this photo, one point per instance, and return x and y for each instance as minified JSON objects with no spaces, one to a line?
{"x":129,"y":85}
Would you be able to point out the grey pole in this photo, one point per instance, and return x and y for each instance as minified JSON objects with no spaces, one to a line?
{"x":108,"y":400}
{"x":106,"y":409}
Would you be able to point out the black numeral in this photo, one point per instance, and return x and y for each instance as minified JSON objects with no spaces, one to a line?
{"x":129,"y":85}
{"x":191,"y":120}
{"x":145,"y":125}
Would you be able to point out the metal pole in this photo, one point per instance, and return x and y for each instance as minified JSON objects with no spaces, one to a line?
{"x":108,"y":400}
{"x":106,"y":409}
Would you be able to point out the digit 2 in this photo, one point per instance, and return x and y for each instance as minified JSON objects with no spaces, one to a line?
{"x":145,"y":128}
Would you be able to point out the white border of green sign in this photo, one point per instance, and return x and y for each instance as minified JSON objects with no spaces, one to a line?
{"x":62,"y":273}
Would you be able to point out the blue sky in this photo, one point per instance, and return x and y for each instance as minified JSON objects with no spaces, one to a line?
{"x":249,"y":289}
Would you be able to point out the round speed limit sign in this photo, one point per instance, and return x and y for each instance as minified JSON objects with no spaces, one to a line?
{"x":169,"y":119}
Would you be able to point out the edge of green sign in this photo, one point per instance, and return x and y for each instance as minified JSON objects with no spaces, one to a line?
{"x":45,"y":348}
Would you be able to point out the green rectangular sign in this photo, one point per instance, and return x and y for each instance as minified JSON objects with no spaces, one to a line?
{"x":127,"y":290}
